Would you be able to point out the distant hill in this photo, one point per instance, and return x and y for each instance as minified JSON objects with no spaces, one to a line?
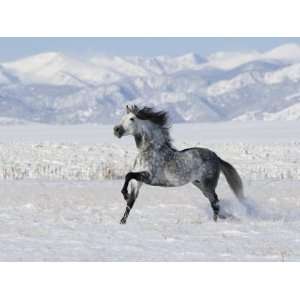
{"x":56,"y":88}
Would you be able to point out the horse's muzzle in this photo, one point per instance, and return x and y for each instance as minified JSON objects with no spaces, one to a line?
{"x":119,"y":131}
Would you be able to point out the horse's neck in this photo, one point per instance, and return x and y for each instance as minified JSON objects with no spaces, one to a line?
{"x":146,"y":142}
{"x":148,"y":147}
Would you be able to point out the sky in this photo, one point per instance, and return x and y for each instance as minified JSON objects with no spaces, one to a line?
{"x":13,"y":48}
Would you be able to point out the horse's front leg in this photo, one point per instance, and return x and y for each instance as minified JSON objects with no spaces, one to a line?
{"x":138,"y":176}
{"x":130,"y":198}
{"x":134,"y":191}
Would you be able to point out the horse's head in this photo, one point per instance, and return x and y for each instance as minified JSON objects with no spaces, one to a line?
{"x":145,"y":124}
{"x":130,"y":124}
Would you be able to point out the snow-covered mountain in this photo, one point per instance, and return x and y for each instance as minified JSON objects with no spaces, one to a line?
{"x":57,"y":88}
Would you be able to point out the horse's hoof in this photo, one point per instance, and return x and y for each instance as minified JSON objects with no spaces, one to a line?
{"x":222,"y":216}
{"x":219,"y":216}
{"x":123,"y":221}
{"x":125,"y":194}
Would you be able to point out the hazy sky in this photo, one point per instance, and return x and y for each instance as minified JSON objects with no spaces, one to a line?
{"x":12,"y":48}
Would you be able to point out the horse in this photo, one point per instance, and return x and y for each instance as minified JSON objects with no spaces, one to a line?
{"x":159,"y":163}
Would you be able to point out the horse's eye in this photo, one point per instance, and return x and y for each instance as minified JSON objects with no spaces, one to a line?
{"x":131,"y":119}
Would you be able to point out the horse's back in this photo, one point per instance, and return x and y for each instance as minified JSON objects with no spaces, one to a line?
{"x":206,"y":163}
{"x":203,"y":153}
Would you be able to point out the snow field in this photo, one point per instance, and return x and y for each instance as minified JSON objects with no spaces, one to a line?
{"x":57,"y":161}
{"x":60,"y":197}
{"x":79,"y":221}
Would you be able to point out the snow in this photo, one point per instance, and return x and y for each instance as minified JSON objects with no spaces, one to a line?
{"x":73,"y":213}
{"x":11,"y":121}
{"x":3,"y":78}
{"x":226,"y":86}
{"x":292,"y":113}
{"x":123,"y":65}
{"x":287,"y":52}
{"x":79,"y":222}
{"x":231,"y":60}
{"x":58,"y":69}
{"x":289,"y":73}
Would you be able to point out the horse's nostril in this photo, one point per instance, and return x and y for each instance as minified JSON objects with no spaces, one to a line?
{"x":118,"y":131}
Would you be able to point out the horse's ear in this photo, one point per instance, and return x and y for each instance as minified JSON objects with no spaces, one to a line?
{"x":128,"y":110}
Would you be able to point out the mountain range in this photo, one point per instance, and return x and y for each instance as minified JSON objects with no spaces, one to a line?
{"x":61,"y":89}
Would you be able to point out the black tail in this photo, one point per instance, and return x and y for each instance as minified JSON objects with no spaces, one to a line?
{"x":233,"y":178}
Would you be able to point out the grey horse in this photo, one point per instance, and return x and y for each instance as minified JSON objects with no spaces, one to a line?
{"x":158,"y":163}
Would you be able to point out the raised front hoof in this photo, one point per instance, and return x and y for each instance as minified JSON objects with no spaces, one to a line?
{"x":125,"y":194}
{"x":123,"y":221}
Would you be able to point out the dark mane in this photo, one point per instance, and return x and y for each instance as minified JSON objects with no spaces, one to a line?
{"x":160,"y":118}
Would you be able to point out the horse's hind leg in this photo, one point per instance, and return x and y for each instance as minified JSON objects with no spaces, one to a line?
{"x":214,"y":203}
{"x":208,"y":190}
